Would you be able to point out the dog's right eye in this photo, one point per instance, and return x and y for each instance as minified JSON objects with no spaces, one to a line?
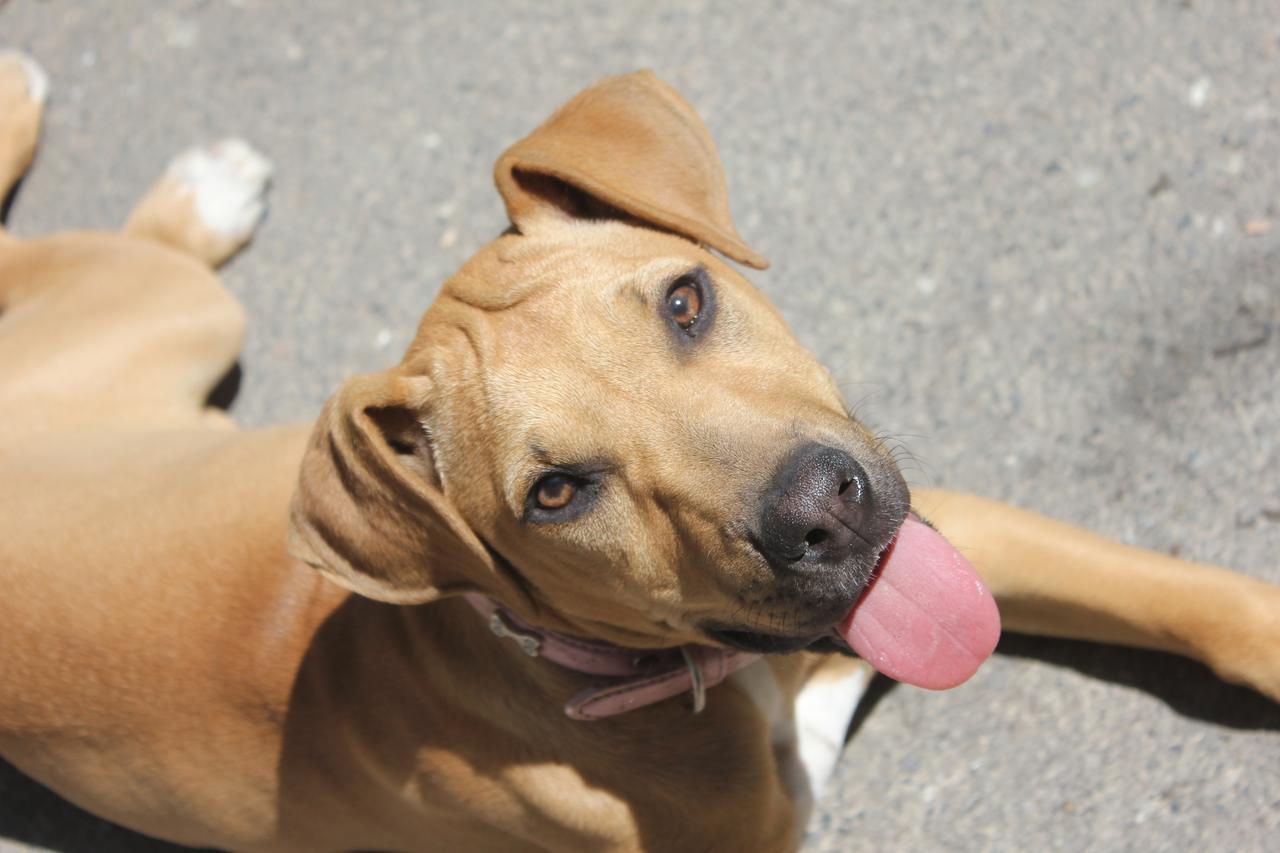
{"x":684,"y":302}
{"x":690,"y":302}
{"x":560,"y":496}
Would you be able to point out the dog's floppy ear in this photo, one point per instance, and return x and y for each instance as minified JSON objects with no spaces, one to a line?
{"x":634,"y":144}
{"x":369,"y":511}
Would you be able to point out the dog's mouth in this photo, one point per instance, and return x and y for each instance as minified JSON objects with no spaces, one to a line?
{"x":924,"y":617}
{"x":760,"y":642}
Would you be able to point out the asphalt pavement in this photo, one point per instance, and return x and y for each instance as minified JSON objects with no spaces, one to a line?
{"x":1039,"y":242}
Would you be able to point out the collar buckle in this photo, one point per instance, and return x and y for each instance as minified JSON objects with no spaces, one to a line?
{"x":529,"y":643}
{"x":697,"y":681}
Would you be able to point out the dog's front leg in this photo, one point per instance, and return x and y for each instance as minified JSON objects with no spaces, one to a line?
{"x":1057,"y":580}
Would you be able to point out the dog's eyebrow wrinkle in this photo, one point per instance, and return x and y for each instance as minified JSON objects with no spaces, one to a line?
{"x":493,"y":303}
{"x":497,"y":293}
{"x":636,"y":285}
{"x":522,"y":481}
{"x":523,"y":478}
{"x":632,"y":289}
{"x":482,"y":286}
{"x":473,"y":343}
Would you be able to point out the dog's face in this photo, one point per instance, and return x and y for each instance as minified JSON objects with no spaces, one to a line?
{"x":625,"y":415}
{"x":608,"y":428}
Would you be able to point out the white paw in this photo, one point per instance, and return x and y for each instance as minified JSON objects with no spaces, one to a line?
{"x":37,"y":79}
{"x":823,"y":711}
{"x":229,"y":181}
{"x":808,"y":737}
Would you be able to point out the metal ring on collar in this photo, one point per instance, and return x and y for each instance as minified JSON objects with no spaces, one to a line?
{"x":699,"y":685}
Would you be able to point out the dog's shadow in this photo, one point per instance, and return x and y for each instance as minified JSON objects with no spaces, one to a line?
{"x":1186,"y":686}
{"x":32,"y":815}
{"x":224,"y":393}
{"x":7,"y":201}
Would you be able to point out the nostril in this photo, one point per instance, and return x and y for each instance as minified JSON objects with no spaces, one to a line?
{"x":854,"y":487}
{"x":816,"y":537}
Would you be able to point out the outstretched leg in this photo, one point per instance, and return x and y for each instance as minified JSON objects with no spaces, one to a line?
{"x":133,"y":329}
{"x":23,"y":89}
{"x":208,"y":202}
{"x":1056,"y":580}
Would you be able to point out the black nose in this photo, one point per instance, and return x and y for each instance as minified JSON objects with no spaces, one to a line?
{"x":815,"y":510}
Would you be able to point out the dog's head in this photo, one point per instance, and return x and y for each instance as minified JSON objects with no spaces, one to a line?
{"x":602,"y":424}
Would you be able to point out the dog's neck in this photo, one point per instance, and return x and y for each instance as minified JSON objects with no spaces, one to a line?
{"x":635,"y":677}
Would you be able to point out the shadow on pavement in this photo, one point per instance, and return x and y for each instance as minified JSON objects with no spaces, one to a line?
{"x":1188,"y":687}
{"x":32,"y":814}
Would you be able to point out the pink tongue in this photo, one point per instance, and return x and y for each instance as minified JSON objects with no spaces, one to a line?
{"x":926,"y":618}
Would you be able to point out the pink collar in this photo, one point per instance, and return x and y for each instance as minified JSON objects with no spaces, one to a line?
{"x":638,"y":677}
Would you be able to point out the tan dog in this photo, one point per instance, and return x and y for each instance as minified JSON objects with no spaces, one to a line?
{"x":600,"y":425}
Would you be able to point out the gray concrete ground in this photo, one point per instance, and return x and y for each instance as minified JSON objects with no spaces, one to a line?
{"x":1032,"y":237}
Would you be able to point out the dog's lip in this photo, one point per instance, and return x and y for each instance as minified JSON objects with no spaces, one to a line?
{"x":745,"y":639}
{"x":760,"y":642}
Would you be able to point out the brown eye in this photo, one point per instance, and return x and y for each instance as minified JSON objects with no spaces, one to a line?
{"x":555,"y":492}
{"x":684,"y":303}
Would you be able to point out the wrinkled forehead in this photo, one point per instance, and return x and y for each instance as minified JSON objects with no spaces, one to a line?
{"x":588,"y":293}
{"x":561,"y":318}
{"x":574,"y":304}
{"x":582,"y":262}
